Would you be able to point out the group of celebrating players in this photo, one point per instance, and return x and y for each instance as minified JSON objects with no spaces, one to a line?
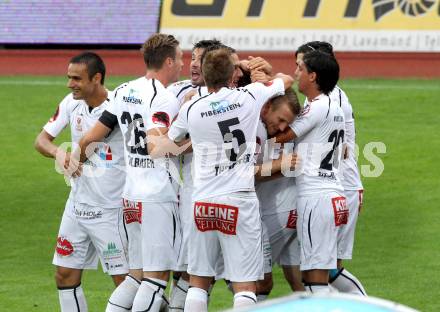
{"x":215,"y":177}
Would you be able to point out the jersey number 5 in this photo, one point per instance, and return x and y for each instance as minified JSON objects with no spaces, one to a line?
{"x":133,"y":125}
{"x":331,"y":159}
{"x":228,"y":135}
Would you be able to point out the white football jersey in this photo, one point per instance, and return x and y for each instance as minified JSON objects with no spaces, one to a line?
{"x":277,"y":195}
{"x":180,"y":89}
{"x":349,"y":172}
{"x":138,"y":106}
{"x":103,"y":174}
{"x":223,"y":127}
{"x":320,"y":134}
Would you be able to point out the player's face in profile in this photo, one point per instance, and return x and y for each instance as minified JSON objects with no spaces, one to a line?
{"x":177,"y":65}
{"x":238,"y":73}
{"x":78,"y":81}
{"x":195,"y":69}
{"x":301,"y":76}
{"x":277,"y":120}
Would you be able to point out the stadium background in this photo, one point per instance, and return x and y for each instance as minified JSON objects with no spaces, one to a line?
{"x":377,"y":42}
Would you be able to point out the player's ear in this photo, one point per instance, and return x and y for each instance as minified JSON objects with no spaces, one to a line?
{"x":97,"y":78}
{"x":312,"y":76}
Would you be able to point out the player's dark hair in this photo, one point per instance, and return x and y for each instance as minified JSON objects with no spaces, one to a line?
{"x":315,"y":45}
{"x":326,"y":68}
{"x":157,"y":49}
{"x":245,"y":79}
{"x":217,"y":69}
{"x":290,"y":98}
{"x":93,"y":62}
{"x":203,"y":44}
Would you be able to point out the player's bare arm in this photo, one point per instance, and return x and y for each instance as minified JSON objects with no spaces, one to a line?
{"x":160,"y":145}
{"x":96,"y":134}
{"x":285,"y":136}
{"x":276,"y":166}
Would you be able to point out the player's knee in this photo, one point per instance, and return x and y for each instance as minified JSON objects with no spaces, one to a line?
{"x":266,"y":285}
{"x":66,"y":277}
{"x":118,"y":279}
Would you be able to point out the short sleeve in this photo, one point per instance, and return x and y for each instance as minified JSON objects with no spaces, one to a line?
{"x":179,"y":129}
{"x":307,"y":120}
{"x":162,"y":112}
{"x":60,"y":118}
{"x":263,"y":92}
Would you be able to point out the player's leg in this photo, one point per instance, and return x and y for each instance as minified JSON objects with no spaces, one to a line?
{"x":340,"y":278}
{"x":123,"y":296}
{"x":161,"y":240}
{"x":242,"y":247}
{"x":292,"y":274}
{"x":317,"y":233}
{"x":264,"y":287}
{"x":181,"y":284}
{"x":203,"y":260}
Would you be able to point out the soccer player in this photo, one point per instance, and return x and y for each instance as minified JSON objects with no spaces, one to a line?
{"x":91,"y":226}
{"x":181,"y":89}
{"x":142,"y":108}
{"x":340,"y":278}
{"x":277,"y":197}
{"x":222,"y":126}
{"x":319,"y":133}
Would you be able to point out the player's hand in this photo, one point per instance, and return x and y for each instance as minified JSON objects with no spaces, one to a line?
{"x":69,"y":166}
{"x":260,"y":64}
{"x":189,"y":96}
{"x":259,"y":76}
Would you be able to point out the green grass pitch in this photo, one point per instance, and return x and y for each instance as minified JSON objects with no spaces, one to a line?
{"x":397,"y":247}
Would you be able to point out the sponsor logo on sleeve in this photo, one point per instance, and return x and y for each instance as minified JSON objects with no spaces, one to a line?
{"x":341,"y":210}
{"x":291,"y":220}
{"x":161,"y":118}
{"x":64,"y":247}
{"x":216,"y":217}
{"x":55,"y":115}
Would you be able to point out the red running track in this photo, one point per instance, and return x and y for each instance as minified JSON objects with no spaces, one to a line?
{"x":130,"y":62}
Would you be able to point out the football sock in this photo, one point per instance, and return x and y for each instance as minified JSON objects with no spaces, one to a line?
{"x":178,"y":295}
{"x":123,"y":296}
{"x":149,"y":295}
{"x":317,"y":288}
{"x":196,"y":300}
{"x":72,"y":299}
{"x":244,"y":298}
{"x":346,"y":282}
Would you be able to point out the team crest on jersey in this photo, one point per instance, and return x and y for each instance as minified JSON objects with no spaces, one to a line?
{"x":269,"y":83}
{"x":64,"y":247}
{"x":78,"y":124}
{"x":291,"y":220}
{"x":105,"y":152}
{"x":132,"y":211}
{"x":341,"y":210}
{"x":216,"y":217}
{"x":161,"y":118}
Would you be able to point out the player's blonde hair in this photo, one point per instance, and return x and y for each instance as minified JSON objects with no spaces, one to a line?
{"x":157,"y":49}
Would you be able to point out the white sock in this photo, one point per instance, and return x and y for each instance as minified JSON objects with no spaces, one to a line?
{"x":149,"y":295}
{"x":348,"y":283}
{"x":72,"y":299}
{"x":123,"y":296}
{"x":244,"y":299}
{"x":178,"y":295}
{"x":196,"y":300}
{"x":316,"y":288}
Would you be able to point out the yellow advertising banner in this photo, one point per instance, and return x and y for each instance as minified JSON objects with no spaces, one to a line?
{"x":351,"y":25}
